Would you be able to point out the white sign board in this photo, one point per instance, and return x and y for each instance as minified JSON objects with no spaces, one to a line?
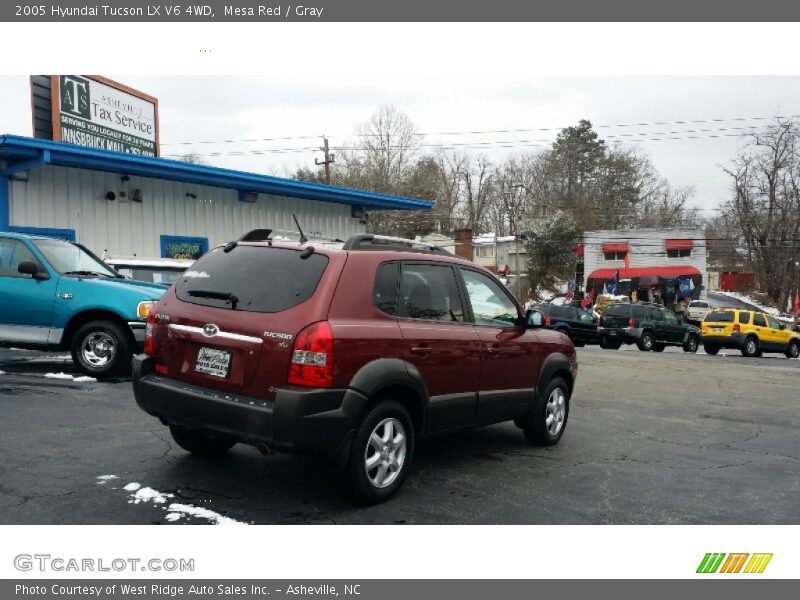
{"x":105,"y":115}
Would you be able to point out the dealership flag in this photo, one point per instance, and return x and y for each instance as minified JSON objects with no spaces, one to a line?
{"x":685,"y":287}
{"x":797,"y":303}
{"x":570,"y":290}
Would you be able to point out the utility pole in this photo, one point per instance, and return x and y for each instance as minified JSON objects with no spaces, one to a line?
{"x":329,"y":159}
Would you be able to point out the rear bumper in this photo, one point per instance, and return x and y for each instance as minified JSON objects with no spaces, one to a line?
{"x":299,"y":420}
{"x":734,"y":340}
{"x":628,"y":335}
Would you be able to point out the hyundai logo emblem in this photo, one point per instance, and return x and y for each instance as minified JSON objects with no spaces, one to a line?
{"x":210,"y":330}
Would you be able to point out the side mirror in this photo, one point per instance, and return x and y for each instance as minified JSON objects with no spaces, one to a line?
{"x":28,"y":267}
{"x":783,"y":326}
{"x":533,"y":318}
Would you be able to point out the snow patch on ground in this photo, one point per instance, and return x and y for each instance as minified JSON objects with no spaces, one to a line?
{"x":203,"y":513}
{"x":175,"y":511}
{"x":102,"y":479}
{"x":79,"y":379}
{"x":147,"y":494}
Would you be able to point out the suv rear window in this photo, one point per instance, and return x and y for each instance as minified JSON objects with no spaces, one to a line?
{"x":617,"y":310}
{"x":720,"y":316}
{"x":259,"y":279}
{"x":564,"y":312}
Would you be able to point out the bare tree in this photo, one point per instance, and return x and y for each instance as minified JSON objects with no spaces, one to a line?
{"x":766,"y":205}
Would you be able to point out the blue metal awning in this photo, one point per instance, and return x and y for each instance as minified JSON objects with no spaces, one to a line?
{"x":24,"y":152}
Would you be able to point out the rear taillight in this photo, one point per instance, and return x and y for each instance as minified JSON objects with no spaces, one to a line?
{"x":148,"y":332}
{"x":631,"y":323}
{"x":548,"y":320}
{"x":736,"y":327}
{"x":312,"y":357}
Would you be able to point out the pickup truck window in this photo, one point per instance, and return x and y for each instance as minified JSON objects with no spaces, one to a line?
{"x":67,"y":258}
{"x":13,"y":252}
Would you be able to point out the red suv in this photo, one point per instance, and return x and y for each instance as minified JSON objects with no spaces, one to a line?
{"x":351,"y":349}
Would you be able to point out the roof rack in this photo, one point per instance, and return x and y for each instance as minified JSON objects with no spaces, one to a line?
{"x":367,"y":241}
{"x":276,"y":235}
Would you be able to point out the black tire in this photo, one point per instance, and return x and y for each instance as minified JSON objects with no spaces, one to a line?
{"x":712,"y":350}
{"x":691,"y":344}
{"x":658,"y":347}
{"x":750,"y":346}
{"x":199,"y":444}
{"x":102,"y":349}
{"x":535,"y":424}
{"x":793,"y":349}
{"x":361,"y":488}
{"x":646,"y":341}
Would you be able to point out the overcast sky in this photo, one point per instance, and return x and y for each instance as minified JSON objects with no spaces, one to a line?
{"x":196,"y":108}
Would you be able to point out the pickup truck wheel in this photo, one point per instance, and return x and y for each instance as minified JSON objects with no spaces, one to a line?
{"x":793,"y":351}
{"x":102,"y":349}
{"x":199,"y":444}
{"x":750,"y":347}
{"x":646,"y":341}
{"x":545,"y":425}
{"x":691,"y":344}
{"x":383,"y":448}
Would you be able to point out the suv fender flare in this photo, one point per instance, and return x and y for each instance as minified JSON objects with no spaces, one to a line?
{"x":556,"y":363}
{"x":385,"y":373}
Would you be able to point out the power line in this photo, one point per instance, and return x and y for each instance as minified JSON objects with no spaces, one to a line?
{"x":489,"y":131}
{"x":497,"y":144}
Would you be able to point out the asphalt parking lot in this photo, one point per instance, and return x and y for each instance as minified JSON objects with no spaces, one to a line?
{"x":651,"y":438}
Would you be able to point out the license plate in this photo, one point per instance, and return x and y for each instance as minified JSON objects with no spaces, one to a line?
{"x":213,"y":362}
{"x":612,"y":333}
{"x":716,"y":329}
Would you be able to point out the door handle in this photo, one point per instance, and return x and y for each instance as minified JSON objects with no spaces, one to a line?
{"x":420,"y":349}
{"x":494,"y":349}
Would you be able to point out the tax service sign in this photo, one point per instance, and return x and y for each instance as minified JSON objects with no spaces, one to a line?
{"x":97,"y":112}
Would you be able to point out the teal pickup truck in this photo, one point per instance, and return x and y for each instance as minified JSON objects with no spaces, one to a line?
{"x":57,"y":295}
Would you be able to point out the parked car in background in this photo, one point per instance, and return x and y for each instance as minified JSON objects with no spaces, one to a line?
{"x":649,"y":326}
{"x":696,"y":311}
{"x":154,"y":270}
{"x":750,"y":332}
{"x":351,"y":350}
{"x":57,"y":295}
{"x":579,"y":325}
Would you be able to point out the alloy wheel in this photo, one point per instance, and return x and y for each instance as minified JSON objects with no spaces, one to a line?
{"x":385,"y":453}
{"x":98,"y":349}
{"x":555,"y":411}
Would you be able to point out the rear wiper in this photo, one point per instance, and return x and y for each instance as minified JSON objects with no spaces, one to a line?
{"x":227,"y":296}
{"x":88,"y":273}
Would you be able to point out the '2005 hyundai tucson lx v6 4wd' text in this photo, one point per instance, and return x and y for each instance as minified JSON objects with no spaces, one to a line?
{"x":353,"y":349}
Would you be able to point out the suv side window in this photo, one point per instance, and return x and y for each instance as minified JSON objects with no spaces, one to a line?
{"x":773,"y":323}
{"x":490,"y":303}
{"x":744,"y":318}
{"x":585,"y":317}
{"x":640,"y":312}
{"x":384,"y":295}
{"x":671,"y":318}
{"x":13,"y":252}
{"x":758,"y":321}
{"x":429,"y":292}
{"x":656,"y":314}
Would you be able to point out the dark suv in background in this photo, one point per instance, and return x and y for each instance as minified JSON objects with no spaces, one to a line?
{"x":649,"y":326}
{"x":579,"y":325}
{"x":353,"y":350}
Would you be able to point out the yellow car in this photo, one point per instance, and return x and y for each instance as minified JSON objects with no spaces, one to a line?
{"x":749,"y":331}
